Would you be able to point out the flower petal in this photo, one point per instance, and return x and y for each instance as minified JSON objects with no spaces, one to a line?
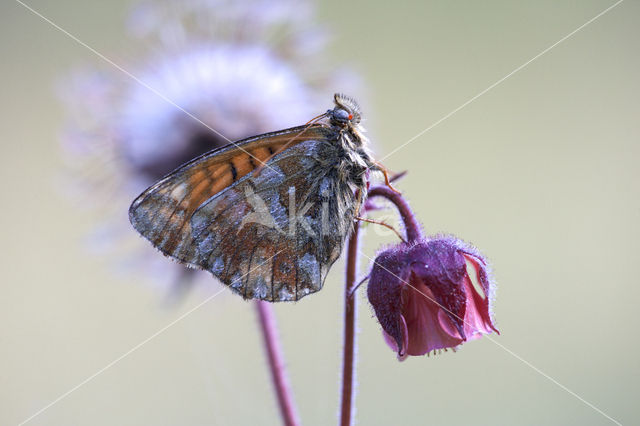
{"x":440,"y":266}
{"x":402,"y":354}
{"x":477,"y":316}
{"x":429,"y":327}
{"x":388,"y":277}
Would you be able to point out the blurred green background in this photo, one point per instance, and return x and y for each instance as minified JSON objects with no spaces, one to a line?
{"x":540,"y":173}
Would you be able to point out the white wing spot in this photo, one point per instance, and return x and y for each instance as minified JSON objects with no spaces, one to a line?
{"x":179,"y":192}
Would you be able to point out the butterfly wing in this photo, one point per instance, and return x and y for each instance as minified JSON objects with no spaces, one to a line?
{"x":162,"y":213}
{"x":271,"y":235}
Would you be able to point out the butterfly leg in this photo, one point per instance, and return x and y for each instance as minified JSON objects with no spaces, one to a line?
{"x":355,"y":287}
{"x":387,"y":181}
{"x":386,"y":225}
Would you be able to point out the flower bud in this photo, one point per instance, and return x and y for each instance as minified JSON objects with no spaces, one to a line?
{"x":432,"y":294}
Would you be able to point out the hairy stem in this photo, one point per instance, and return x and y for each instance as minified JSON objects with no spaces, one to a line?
{"x":413,"y":233}
{"x":275,"y":359}
{"x":348,"y":376}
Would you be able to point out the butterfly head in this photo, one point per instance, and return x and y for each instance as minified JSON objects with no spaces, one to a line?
{"x":346,"y":112}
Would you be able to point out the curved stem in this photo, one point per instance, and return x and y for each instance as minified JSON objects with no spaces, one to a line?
{"x":411,"y":226}
{"x":348,"y":375}
{"x":275,"y":357}
{"x":414,"y":232}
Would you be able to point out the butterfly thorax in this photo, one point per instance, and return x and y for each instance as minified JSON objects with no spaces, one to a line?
{"x":355,"y":158}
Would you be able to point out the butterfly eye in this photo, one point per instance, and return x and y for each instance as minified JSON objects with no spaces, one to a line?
{"x":341,"y":115}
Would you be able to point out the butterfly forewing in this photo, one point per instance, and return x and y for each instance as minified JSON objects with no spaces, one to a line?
{"x":269,"y":234}
{"x":162,"y":213}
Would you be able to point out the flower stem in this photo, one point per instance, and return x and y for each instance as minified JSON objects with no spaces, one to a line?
{"x":411,"y":226}
{"x":348,"y":376}
{"x":275,"y":357}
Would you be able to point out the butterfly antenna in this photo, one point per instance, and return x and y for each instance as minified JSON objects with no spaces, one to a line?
{"x":306,"y":127}
{"x":314,"y":119}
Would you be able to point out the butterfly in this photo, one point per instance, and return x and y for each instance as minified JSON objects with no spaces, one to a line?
{"x":267,"y":215}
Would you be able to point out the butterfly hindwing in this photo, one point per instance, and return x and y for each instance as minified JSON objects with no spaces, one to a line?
{"x":214,"y":213}
{"x":275,"y":235}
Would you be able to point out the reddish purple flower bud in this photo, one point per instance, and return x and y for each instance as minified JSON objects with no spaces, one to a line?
{"x":430,"y":295}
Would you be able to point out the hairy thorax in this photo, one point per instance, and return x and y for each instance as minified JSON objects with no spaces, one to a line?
{"x":355,"y":158}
